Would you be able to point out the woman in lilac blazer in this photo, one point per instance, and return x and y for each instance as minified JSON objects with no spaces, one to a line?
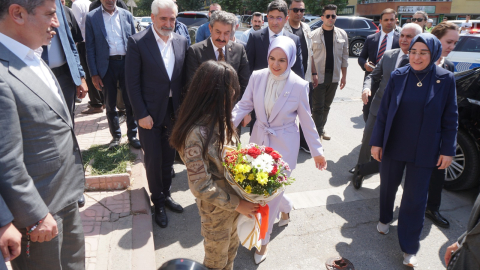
{"x":278,"y":97}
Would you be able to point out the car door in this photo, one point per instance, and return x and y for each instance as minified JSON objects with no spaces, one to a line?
{"x":466,"y":54}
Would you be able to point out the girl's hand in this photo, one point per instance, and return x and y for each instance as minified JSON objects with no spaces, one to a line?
{"x":320,"y":162}
{"x":247,"y":209}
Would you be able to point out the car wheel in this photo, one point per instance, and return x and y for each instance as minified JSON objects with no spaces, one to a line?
{"x":464,"y":171}
{"x":356,"y":48}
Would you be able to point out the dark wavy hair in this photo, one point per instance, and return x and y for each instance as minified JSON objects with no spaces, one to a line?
{"x":209,"y":102}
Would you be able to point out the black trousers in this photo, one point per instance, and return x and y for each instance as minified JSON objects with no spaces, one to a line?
{"x":159,"y":156}
{"x":69,"y":89}
{"x":366,"y":107}
{"x":435,"y":189}
{"x":322,"y":98}
{"x":95,"y":96}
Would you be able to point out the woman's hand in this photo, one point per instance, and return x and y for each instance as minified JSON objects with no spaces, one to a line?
{"x":377,"y":153}
{"x":320,"y":162}
{"x":444,"y":162}
{"x":449,"y":252}
{"x":246,"y":120}
{"x":247,"y":209}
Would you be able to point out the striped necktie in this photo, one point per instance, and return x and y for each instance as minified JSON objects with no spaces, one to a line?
{"x":382,"y":49}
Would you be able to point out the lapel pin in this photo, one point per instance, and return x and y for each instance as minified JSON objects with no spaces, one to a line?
{"x":286,"y":94}
{"x":229,"y":49}
{"x":438,"y":81}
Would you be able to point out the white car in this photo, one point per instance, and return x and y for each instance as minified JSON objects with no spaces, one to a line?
{"x":466,"y":54}
{"x":144,"y":23}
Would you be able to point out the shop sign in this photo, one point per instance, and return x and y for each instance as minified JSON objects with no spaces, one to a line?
{"x":413,"y":9}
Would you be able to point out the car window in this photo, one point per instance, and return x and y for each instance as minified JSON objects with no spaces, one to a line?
{"x":342,"y":23}
{"x":360,"y":24}
{"x":147,"y":19}
{"x":471,"y":44}
{"x":192,"y":19}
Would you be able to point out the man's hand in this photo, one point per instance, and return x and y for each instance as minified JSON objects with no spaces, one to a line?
{"x":315,"y":80}
{"x":448,"y":253}
{"x":82,"y":89}
{"x":377,"y":153}
{"x":343,"y":81}
{"x":367,"y":67}
{"x":247,"y":209}
{"x":365,"y":94}
{"x":246,"y":120}
{"x":444,"y":162}
{"x":97,"y":82}
{"x":10,"y":242}
{"x":146,"y":122}
{"x":46,"y":230}
{"x":320,"y":162}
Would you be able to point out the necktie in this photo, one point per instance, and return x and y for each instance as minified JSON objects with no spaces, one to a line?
{"x":382,"y":49}
{"x":45,"y":54}
{"x":403,"y":61}
{"x":221,"y":56}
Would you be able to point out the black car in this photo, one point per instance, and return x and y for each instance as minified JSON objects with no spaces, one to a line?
{"x":357,"y":28}
{"x":193,"y":20}
{"x":464,"y":172}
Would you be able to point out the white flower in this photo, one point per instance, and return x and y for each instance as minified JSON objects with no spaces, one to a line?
{"x":263,"y":162}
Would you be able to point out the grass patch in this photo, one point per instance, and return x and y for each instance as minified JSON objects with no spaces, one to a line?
{"x":108,"y":161}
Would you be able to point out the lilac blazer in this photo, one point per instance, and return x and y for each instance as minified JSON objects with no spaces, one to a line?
{"x":280,"y":131}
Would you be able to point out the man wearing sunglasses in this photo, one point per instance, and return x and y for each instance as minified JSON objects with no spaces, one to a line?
{"x":330,"y":57}
{"x":420,"y":18}
{"x":203,"y":31}
{"x":295,"y":26}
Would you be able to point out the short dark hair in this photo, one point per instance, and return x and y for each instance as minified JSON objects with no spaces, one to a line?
{"x":329,"y":7}
{"x":388,"y":11}
{"x":29,"y":5}
{"x":279,"y":5}
{"x":257,"y":14}
{"x":298,"y":1}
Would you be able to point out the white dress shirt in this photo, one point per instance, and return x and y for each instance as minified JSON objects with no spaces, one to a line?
{"x":215,"y":49}
{"x":56,"y":55}
{"x":271,"y":34}
{"x":399,"y":58}
{"x":389,"y":40}
{"x":167,"y":53}
{"x":114,"y":32}
{"x":31,"y":59}
{"x":80,"y":11}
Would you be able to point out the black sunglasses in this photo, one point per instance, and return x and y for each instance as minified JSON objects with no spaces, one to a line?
{"x":211,"y":11}
{"x":417,"y":19}
{"x":328,"y":16}
{"x":296,"y":10}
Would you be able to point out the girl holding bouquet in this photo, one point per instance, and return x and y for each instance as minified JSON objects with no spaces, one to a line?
{"x":202,"y":129}
{"x":278,"y":97}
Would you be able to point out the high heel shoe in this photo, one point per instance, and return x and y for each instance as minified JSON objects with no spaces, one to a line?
{"x":284,"y":222}
{"x":259,"y":258}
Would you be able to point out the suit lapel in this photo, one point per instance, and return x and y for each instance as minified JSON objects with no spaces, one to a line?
{"x":154,"y":50}
{"x":209,"y":51}
{"x":229,"y":53}
{"x":101,"y":23}
{"x":123,"y":20}
{"x":376,"y":38}
{"x":282,"y":98}
{"x":261,"y":114}
{"x":178,"y":53}
{"x":265,"y":41}
{"x":435,"y":86}
{"x":399,"y":94}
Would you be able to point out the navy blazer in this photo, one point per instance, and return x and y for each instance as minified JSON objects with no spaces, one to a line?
{"x":257,"y":51}
{"x":370,"y":48}
{"x":147,"y":80}
{"x":98,"y":51}
{"x":438,"y":133}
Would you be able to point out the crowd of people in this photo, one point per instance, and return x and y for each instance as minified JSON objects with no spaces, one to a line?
{"x":195,"y":98}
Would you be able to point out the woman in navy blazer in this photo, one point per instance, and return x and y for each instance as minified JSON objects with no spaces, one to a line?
{"x":416,"y":129}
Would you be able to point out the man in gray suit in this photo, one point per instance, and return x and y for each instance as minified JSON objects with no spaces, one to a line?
{"x":391,"y":60}
{"x":40,"y":163}
{"x":10,"y":238}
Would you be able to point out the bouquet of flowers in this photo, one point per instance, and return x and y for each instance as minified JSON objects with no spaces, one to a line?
{"x":258,"y":175}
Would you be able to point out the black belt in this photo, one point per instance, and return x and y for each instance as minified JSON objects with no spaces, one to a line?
{"x":116,"y":57}
{"x":328,"y":70}
{"x":63,"y":69}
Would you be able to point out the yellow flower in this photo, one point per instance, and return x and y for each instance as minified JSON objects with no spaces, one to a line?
{"x":239,"y":178}
{"x":251,"y":176}
{"x":266,"y":193}
{"x":262,"y":178}
{"x":238,"y":168}
{"x":247,"y":168}
{"x":248,"y":189}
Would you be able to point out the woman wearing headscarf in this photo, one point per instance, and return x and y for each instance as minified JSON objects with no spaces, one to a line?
{"x":278,"y":97}
{"x":447,"y":33}
{"x":415,"y":130}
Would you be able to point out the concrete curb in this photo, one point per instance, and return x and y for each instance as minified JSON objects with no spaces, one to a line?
{"x":143,"y":255}
{"x":107,"y":182}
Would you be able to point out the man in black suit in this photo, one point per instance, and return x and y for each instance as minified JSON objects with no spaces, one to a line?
{"x":219,"y":47}
{"x":373,"y":49}
{"x":155,"y":59}
{"x":96,"y":3}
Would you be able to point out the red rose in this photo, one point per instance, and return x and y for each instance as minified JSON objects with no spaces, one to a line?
{"x":268,"y":150}
{"x":243,"y":151}
{"x":275,"y":155}
{"x":274,"y":171}
{"x":254,"y":152}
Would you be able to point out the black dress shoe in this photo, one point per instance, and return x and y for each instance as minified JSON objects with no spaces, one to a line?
{"x":81,"y":201}
{"x":135,"y":143}
{"x":172,"y":205}
{"x":437,"y":219}
{"x":161,"y":216}
{"x":173,"y":173}
{"x":114,"y":143}
{"x":357,"y":178}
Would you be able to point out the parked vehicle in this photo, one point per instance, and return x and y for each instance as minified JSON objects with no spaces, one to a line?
{"x":309,"y":18}
{"x":464,"y":172}
{"x":144,"y":23}
{"x":193,"y":18}
{"x":475,"y":25}
{"x":244,"y":20}
{"x":357,"y":28}
{"x":466,"y":54}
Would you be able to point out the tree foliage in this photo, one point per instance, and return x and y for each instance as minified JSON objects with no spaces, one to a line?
{"x":233,"y":6}
{"x":315,"y":7}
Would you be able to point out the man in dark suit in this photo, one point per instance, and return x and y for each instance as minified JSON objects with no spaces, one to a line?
{"x":96,"y":3}
{"x":375,"y":46}
{"x":219,"y":47}
{"x":106,"y":52}
{"x":155,"y":58}
{"x":41,"y":167}
{"x":72,"y":23}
